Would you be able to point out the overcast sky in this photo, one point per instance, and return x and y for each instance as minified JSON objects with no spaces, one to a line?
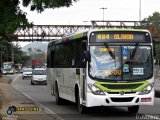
{"x":87,"y":10}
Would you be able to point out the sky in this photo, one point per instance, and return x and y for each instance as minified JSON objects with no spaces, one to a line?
{"x":87,"y":10}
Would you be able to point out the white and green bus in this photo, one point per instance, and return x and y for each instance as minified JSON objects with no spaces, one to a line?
{"x":8,"y":68}
{"x":102,"y":67}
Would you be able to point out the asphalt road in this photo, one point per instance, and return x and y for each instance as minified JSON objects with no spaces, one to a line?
{"x":40,"y":94}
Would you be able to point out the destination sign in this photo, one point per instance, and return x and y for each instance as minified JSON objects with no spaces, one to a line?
{"x":115,"y":36}
{"x":120,"y":36}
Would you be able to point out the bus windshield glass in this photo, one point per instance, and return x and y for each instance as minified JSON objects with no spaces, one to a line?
{"x":128,"y":63}
{"x":7,"y":66}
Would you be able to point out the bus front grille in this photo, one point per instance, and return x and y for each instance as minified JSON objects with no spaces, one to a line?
{"x":119,"y":92}
{"x":122,"y":86}
{"x":126,"y":99}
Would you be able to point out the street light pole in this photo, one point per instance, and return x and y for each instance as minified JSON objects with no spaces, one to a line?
{"x":85,"y":22}
{"x":103,"y":13}
{"x":139,"y":10}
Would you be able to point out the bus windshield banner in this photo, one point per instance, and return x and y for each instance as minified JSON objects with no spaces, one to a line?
{"x":120,"y":36}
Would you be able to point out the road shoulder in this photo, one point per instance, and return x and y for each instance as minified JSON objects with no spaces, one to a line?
{"x":11,"y":97}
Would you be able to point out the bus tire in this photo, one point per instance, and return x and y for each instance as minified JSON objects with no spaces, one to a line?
{"x":58,"y":99}
{"x":133,"y":109}
{"x":32,"y":83}
{"x":81,"y":108}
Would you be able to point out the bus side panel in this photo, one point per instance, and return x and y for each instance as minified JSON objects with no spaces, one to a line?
{"x":50,"y":79}
{"x":59,"y":77}
{"x":70,"y":81}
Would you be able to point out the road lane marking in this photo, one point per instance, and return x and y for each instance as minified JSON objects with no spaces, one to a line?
{"x":46,"y":109}
{"x":13,"y":81}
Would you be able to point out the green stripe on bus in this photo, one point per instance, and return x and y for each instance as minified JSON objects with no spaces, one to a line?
{"x":101,"y":85}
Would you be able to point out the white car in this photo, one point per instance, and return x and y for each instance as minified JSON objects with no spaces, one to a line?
{"x":39,"y":76}
{"x":27,"y":73}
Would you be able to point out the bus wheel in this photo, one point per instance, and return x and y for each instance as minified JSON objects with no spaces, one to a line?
{"x":133,"y":109}
{"x":58,"y":99}
{"x":32,"y":83}
{"x":82,"y":109}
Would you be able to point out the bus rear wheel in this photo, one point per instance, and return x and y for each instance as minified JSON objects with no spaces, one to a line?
{"x":58,"y":99}
{"x":133,"y":109}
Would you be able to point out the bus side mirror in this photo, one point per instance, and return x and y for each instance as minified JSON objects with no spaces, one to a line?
{"x":84,"y":45}
{"x":86,"y":57}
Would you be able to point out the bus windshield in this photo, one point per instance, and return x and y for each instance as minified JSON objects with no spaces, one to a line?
{"x":7,"y":66}
{"x":129,"y":62}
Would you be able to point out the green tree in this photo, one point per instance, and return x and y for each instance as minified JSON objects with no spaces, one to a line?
{"x":12,"y":17}
{"x":153,"y":19}
{"x":157,"y":49}
{"x":19,"y":55}
{"x":40,"y":5}
{"x":5,"y":49}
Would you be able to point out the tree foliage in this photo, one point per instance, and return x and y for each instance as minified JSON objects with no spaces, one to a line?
{"x":19,"y":55}
{"x":153,"y":19}
{"x":12,"y":17}
{"x":40,"y":5}
{"x":6,"y":50}
{"x":157,"y":49}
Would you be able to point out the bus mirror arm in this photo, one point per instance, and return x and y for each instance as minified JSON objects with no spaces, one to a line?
{"x":86,"y":57}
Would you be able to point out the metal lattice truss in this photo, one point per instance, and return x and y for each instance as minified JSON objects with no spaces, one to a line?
{"x":50,"y":32}
{"x":46,"y":32}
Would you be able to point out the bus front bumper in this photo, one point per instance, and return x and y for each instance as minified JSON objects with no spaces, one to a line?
{"x":119,"y":100}
{"x":8,"y":72}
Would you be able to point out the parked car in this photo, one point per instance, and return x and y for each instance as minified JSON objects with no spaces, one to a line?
{"x":27,"y":73}
{"x":39,"y":76}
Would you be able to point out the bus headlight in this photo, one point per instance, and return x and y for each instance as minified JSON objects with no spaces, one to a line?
{"x":147,"y":89}
{"x":95,"y":90}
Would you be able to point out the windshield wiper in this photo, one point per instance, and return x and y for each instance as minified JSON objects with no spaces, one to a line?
{"x":134,"y":51}
{"x":110,"y":53}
